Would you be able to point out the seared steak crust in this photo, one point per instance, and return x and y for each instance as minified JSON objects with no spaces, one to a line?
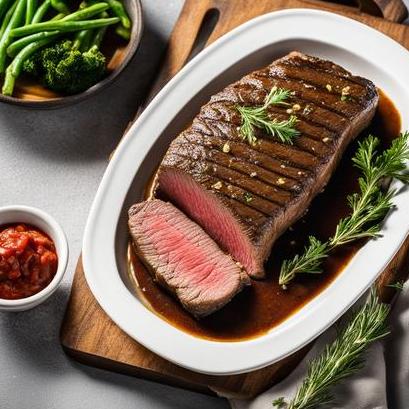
{"x":262,"y":189}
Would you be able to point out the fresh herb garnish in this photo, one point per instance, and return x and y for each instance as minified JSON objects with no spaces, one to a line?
{"x":397,"y":286}
{"x":343,"y":357}
{"x":369,"y":206}
{"x":309,"y":261}
{"x":248,"y":197}
{"x":257,"y":117}
{"x":345,"y":94}
{"x":279,"y":403}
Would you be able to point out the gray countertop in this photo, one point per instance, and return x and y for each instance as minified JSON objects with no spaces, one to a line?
{"x":54,"y":160}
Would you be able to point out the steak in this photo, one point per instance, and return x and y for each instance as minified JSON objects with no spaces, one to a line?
{"x":183,"y":258}
{"x":246,"y":195}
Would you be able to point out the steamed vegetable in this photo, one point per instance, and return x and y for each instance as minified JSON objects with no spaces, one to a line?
{"x":41,"y":11}
{"x":63,"y":26}
{"x":15,"y":20}
{"x":63,"y":67}
{"x":60,"y":48}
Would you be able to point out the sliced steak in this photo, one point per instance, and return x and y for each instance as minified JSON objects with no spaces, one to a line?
{"x":245,"y":195}
{"x":183,"y":258}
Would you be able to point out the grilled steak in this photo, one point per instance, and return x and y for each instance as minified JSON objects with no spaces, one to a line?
{"x":183,"y":258}
{"x":245,"y":195}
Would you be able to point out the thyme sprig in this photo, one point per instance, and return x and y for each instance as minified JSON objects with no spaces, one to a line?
{"x":343,"y":357}
{"x":368,"y":207}
{"x":258,"y":117}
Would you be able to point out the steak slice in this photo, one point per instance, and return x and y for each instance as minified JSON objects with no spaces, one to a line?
{"x":243,"y":195}
{"x":183,"y":258}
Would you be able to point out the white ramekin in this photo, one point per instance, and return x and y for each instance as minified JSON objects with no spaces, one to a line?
{"x":46,"y":223}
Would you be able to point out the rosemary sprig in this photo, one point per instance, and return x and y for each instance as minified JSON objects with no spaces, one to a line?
{"x":310,"y":260}
{"x":368,"y":207}
{"x":279,"y":403}
{"x":257,"y":117}
{"x":344,"y":356}
{"x":397,"y":286}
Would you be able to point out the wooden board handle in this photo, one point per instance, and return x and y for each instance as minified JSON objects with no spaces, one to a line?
{"x":392,"y":10}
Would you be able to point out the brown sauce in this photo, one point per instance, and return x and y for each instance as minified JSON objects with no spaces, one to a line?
{"x":264,"y":304}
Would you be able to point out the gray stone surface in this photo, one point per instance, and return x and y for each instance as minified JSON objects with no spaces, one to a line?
{"x":54,"y":160}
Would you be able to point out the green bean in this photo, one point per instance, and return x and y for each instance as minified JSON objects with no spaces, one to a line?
{"x":99,"y":33}
{"x":41,"y":12}
{"x":119,"y":10}
{"x":98,"y":37}
{"x":58,"y":16}
{"x":88,"y":12}
{"x":60,"y":6}
{"x":14,"y":48}
{"x":15,"y":68}
{"x":7,"y":18}
{"x":123,"y":32}
{"x":30,"y":10}
{"x":14,"y":22}
{"x":4,"y":7}
{"x":17,"y":64}
{"x":17,"y":45}
{"x":82,"y":40}
{"x":87,"y":3}
{"x":63,"y":26}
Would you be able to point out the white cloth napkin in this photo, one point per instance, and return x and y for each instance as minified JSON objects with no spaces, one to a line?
{"x":382,"y":384}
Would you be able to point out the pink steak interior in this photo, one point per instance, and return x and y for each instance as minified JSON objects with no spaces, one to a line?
{"x":215,"y":218}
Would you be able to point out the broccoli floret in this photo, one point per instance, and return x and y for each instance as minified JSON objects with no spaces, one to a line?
{"x":65,"y":69}
{"x":32,"y":65}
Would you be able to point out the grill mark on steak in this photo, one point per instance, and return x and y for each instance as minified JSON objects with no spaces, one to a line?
{"x":307,"y":126}
{"x":230,"y":190}
{"x":306,"y":75}
{"x":204,"y":185}
{"x":283,"y":193}
{"x":319,"y":96}
{"x":271,"y":146}
{"x":317,"y":65}
{"x":240,"y":150}
{"x":281,"y":116}
{"x":256,"y":154}
{"x":206,"y":153}
{"x":221,"y":173}
{"x":216,"y":157}
{"x":322,"y":119}
{"x":236,"y":193}
{"x":322,"y":92}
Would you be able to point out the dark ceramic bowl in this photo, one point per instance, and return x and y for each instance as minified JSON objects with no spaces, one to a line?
{"x":118,"y":52}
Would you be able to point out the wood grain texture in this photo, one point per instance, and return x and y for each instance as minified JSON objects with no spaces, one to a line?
{"x":91,"y":337}
{"x":389,"y":10}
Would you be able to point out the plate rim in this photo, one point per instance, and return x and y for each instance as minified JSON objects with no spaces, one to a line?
{"x":198,"y":354}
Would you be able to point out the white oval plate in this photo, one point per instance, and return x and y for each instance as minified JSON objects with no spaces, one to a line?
{"x":354,"y":46}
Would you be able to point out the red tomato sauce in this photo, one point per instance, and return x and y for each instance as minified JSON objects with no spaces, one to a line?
{"x":28,"y":261}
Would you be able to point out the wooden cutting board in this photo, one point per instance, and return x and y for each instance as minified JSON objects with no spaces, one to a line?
{"x":87,"y":334}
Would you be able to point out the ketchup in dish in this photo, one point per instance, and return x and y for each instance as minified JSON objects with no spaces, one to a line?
{"x":28,"y":261}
